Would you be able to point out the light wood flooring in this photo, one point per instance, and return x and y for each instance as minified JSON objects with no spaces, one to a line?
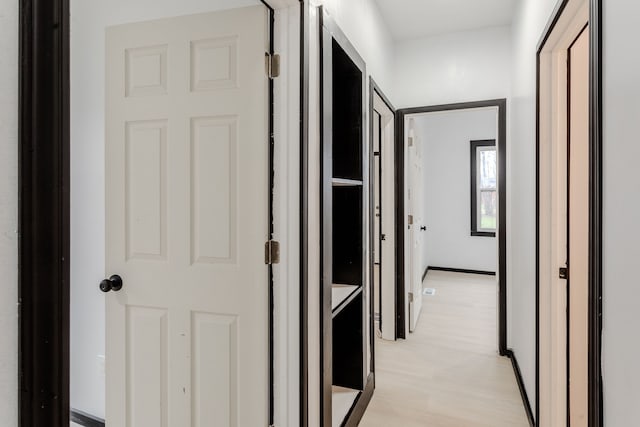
{"x":448,"y":372}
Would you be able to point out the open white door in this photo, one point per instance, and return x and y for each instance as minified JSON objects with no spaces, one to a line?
{"x":415,"y":209}
{"x":186,"y":221}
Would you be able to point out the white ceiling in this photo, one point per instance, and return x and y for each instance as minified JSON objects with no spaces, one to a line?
{"x":410,"y":19}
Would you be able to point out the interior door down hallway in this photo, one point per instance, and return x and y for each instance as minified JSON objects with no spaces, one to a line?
{"x":415,"y":221}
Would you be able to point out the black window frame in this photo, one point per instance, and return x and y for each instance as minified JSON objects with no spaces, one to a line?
{"x":474,"y":190}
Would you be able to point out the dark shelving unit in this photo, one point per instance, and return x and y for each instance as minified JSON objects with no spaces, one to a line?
{"x":347,"y":385}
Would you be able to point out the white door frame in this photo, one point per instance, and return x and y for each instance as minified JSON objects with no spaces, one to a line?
{"x":287,"y":214}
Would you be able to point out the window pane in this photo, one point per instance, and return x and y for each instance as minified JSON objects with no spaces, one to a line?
{"x":488,"y":168}
{"x":488,"y":210}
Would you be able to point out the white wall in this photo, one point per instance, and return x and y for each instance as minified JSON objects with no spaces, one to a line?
{"x":444,"y":139}
{"x":456,"y":67}
{"x":89,"y":18}
{"x":530,"y":19}
{"x":9,"y":212}
{"x":621,"y":90}
{"x":621,"y":317}
{"x":364,"y":26}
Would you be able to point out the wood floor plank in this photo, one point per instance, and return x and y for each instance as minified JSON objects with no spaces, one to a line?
{"x":448,"y":373}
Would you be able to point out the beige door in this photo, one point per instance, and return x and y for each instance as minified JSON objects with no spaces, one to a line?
{"x":578,"y":227}
{"x":377,"y":226}
{"x":415,"y":204}
{"x":387,"y":223}
{"x":187,"y":169}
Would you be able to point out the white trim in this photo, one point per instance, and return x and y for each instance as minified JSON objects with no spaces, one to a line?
{"x":287,"y":216}
{"x":313,"y":220}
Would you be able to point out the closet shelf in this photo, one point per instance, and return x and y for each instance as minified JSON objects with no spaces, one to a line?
{"x":342,"y":295}
{"x":343,"y":400}
{"x":341,"y":182}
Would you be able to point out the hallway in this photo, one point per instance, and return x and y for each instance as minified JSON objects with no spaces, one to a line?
{"x":448,"y":372}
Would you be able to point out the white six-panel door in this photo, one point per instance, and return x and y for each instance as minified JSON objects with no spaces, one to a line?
{"x":415,"y":208}
{"x":187,"y":200}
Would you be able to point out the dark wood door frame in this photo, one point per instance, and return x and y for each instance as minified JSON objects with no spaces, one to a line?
{"x":305,"y":33}
{"x":43,"y":261}
{"x":44,"y":212}
{"x":595,"y":389}
{"x":401,"y":115}
{"x":330,"y":33}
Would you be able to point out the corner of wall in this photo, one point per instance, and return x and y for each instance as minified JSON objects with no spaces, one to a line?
{"x":530,"y":18}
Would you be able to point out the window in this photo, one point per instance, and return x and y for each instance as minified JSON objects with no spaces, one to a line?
{"x":484,"y":188}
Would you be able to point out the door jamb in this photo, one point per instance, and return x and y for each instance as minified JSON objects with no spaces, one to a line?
{"x":501,"y":104}
{"x":271,"y":184}
{"x":374,"y":89}
{"x":43,"y":217}
{"x":305,"y":32}
{"x":595,"y":398}
{"x":44,"y":213}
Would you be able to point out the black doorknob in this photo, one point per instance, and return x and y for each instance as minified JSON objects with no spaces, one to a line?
{"x":113,"y":283}
{"x":423,"y":228}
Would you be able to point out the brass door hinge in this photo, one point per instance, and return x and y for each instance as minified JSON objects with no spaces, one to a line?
{"x":272,"y":252}
{"x":272,"y":64}
{"x":410,"y":219}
